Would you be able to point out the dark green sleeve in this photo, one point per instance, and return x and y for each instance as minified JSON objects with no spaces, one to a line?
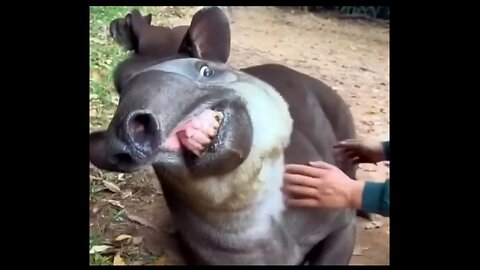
{"x":386,"y":149}
{"x":376,"y":198}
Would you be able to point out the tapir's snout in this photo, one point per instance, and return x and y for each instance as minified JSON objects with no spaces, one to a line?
{"x":129,"y":143}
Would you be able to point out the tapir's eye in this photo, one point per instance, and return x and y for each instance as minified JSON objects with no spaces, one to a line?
{"x":206,"y":71}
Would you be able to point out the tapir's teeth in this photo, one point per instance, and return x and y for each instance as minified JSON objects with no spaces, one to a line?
{"x":212,"y":132}
{"x":219,"y":117}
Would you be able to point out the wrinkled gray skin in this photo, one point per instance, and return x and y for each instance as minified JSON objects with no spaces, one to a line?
{"x":227,"y":204}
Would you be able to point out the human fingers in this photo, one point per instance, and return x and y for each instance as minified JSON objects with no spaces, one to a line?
{"x":354,"y":160}
{"x":304,"y":170}
{"x":348,"y":144}
{"x":322,"y":165}
{"x":351,"y":154}
{"x":299,"y":191}
{"x":311,"y":203}
{"x":300,"y":180}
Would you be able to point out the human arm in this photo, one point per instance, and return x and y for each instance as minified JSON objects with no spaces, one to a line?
{"x":363,"y":151}
{"x":323,"y":185}
{"x":371,"y":197}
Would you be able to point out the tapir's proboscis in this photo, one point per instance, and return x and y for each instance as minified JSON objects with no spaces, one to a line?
{"x":218,"y":138}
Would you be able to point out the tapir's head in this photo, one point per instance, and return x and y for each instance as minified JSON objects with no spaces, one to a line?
{"x":188,"y":89}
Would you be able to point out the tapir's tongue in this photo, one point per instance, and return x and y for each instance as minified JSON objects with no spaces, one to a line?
{"x":194,"y":133}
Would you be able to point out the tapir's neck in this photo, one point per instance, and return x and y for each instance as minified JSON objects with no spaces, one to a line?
{"x":252,"y":192}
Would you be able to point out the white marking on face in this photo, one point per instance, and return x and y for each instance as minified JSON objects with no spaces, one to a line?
{"x":270,"y":200}
{"x":271,"y":120}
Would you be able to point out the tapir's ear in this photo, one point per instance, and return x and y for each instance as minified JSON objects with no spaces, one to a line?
{"x":148,"y":18}
{"x":98,"y":153}
{"x":208,"y":36}
{"x":120,"y":33}
{"x":136,"y":21}
{"x":114,"y":27}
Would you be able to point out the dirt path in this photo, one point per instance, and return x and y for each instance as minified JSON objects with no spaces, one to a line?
{"x":350,"y":56}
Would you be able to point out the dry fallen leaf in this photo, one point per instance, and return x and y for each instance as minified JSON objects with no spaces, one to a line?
{"x":97,"y":41}
{"x":123,"y":237}
{"x":139,"y":220}
{"x":126,"y":194}
{"x":95,"y":209}
{"x":95,"y":77}
{"x":116,"y":203}
{"x":117,"y":260}
{"x":137,"y":240}
{"x":161,"y":261}
{"x":373,"y":225}
{"x":156,"y":185}
{"x":358,"y":251}
{"x":112,"y":187}
{"x":99,"y":248}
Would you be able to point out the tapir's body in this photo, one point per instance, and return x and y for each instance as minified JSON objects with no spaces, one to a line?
{"x":227,"y":202}
{"x":314,"y":134}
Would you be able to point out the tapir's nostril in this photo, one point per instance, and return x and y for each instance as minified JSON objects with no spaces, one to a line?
{"x":122,"y":158}
{"x":143,"y":131}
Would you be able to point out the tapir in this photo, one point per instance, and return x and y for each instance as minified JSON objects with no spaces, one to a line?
{"x":218,"y":138}
{"x":135,"y":33}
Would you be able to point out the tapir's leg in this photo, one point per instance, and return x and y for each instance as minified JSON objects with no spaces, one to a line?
{"x":336,"y":249}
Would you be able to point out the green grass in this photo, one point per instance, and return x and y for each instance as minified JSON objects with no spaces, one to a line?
{"x":98,"y":259}
{"x":105,"y":54}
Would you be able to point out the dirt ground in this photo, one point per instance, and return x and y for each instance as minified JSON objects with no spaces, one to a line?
{"x":351,"y":56}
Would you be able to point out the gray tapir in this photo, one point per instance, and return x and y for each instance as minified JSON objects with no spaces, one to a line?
{"x":135,"y":33}
{"x":218,"y":139}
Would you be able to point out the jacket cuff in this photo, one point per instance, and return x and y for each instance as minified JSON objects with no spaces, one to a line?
{"x":386,"y":149}
{"x":372,"y":197}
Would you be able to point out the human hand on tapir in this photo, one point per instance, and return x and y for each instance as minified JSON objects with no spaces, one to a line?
{"x":321,"y":185}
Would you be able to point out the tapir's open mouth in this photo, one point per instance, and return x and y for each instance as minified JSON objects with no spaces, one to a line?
{"x":196,"y":132}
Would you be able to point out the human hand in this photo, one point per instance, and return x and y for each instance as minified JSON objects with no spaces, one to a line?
{"x":360,"y":151}
{"x":321,"y":185}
